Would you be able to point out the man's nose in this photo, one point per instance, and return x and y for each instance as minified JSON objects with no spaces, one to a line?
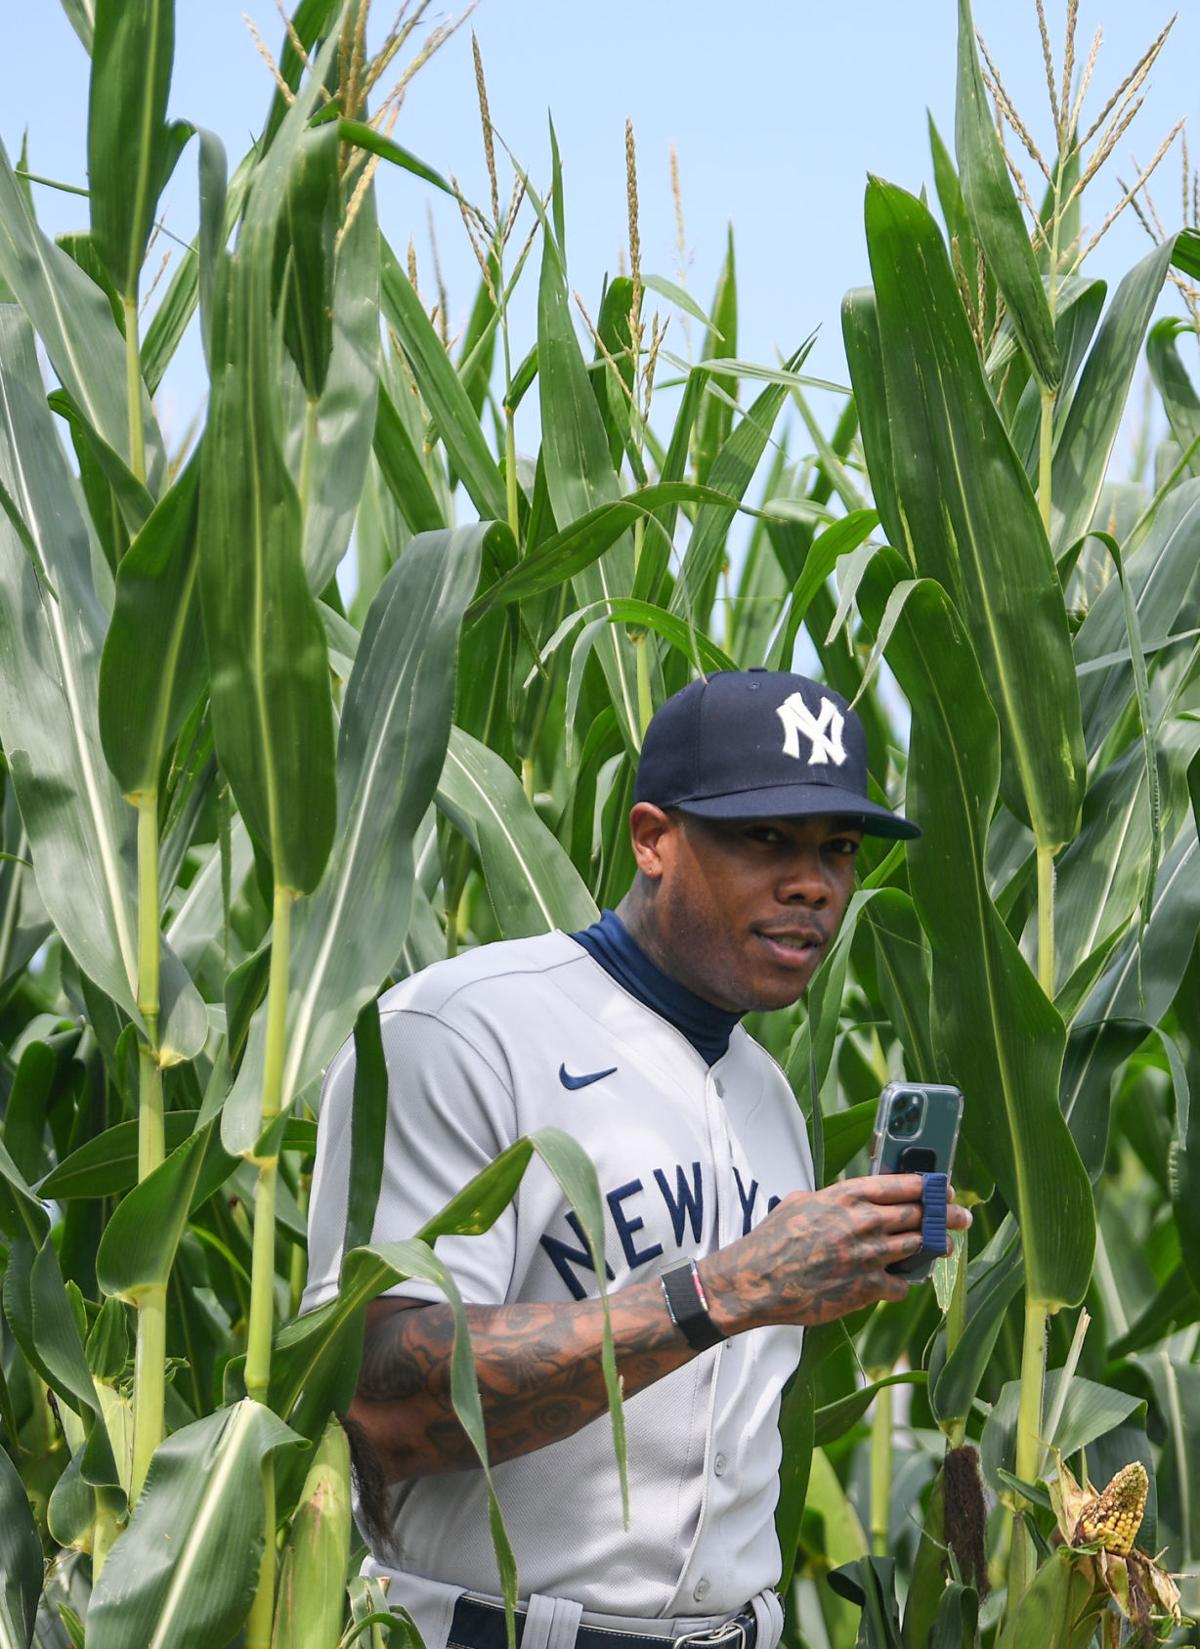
{"x":803,"y":882}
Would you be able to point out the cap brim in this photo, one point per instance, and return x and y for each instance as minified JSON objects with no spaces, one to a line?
{"x":802,"y":801}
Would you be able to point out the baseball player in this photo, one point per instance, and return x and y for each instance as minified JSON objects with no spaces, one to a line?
{"x":751,"y":801}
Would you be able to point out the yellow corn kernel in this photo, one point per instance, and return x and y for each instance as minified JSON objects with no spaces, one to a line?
{"x":1113,"y":1518}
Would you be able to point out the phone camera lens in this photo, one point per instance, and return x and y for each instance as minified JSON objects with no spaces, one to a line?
{"x":905,"y":1116}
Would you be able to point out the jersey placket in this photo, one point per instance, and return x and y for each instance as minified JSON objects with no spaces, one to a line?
{"x":694,"y":1586}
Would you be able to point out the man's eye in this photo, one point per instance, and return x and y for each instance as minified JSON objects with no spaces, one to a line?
{"x":846,"y":846}
{"x":764,"y":833}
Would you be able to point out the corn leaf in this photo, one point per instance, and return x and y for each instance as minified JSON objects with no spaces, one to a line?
{"x":199,"y":918}
{"x":993,"y":1282}
{"x":1176,"y":1386}
{"x":20,"y":1560}
{"x":195,"y":277}
{"x":1133,"y":993}
{"x":860,"y":334}
{"x":1000,"y":1039}
{"x":107,"y":1164}
{"x":730,"y":473}
{"x":1180,"y":401}
{"x":39,"y":1314}
{"x":368,"y":1128}
{"x":48,"y":717}
{"x":185,"y":1569}
{"x":577,"y":546}
{"x":531,"y":882}
{"x":152,"y":666}
{"x":303,"y":263}
{"x":340,"y":444}
{"x":1062,"y":1607}
{"x":833,"y":1420}
{"x":1185,"y":254}
{"x":1086,"y":442}
{"x":447,"y":401}
{"x":312,"y":1354}
{"x":402,"y":468}
{"x":1087,"y":1410}
{"x":131,"y":148}
{"x":969,"y":517}
{"x":995,"y":214}
{"x":272,"y":717}
{"x":138,"y":1248}
{"x":21,"y":1213}
{"x":869,"y":1584}
{"x":958,"y":228}
{"x":716,"y":413}
{"x":1164,"y":580}
{"x":391,"y":745}
{"x":81,"y":14}
{"x":580,"y":476}
{"x":375,"y":143}
{"x":902,"y":954}
{"x":71,"y":316}
{"x":311,"y":22}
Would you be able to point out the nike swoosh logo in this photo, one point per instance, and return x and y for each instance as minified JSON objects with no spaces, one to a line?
{"x":569,"y":1081}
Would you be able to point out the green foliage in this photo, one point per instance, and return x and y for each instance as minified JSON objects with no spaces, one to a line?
{"x":323,"y":803}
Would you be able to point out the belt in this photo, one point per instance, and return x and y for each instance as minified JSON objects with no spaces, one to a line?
{"x":478,"y":1625}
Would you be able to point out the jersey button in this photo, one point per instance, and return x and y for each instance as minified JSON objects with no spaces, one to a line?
{"x":701,"y":1590}
{"x":719,"y":1465}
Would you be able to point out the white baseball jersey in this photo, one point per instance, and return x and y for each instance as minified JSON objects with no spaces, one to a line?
{"x":494,"y":1044}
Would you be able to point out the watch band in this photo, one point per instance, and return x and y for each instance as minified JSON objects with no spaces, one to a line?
{"x":688,"y":1306}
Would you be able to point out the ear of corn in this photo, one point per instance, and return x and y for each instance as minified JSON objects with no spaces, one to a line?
{"x":312,"y":1577}
{"x":1114,"y":1517}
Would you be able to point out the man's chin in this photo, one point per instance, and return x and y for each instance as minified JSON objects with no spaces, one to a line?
{"x":769,"y":998}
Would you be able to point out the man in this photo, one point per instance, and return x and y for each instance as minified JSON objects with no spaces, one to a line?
{"x":751,"y":801}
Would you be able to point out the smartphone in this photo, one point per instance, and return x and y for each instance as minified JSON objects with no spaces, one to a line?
{"x":916,"y":1131}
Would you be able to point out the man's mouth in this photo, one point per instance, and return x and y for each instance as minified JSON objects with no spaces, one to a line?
{"x":792,"y":945}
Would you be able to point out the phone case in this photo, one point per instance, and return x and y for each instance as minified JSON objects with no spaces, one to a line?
{"x":916,"y":1131}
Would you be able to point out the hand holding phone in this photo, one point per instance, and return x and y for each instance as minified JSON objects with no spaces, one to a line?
{"x":916,"y":1131}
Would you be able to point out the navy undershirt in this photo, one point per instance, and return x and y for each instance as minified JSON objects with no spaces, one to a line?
{"x":706,"y":1027}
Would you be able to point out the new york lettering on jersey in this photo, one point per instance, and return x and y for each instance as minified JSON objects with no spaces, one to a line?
{"x":661,"y":1215}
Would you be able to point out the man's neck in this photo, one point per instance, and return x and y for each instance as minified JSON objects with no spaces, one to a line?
{"x":611,"y":944}
{"x":639,"y":913}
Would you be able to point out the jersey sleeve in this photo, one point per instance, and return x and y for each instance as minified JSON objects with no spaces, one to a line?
{"x":449,"y":1115}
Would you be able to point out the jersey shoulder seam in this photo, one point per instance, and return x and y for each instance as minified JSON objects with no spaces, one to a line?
{"x":446,"y":1025}
{"x":488,"y":978}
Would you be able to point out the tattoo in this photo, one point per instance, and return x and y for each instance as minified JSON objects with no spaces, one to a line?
{"x":816,"y":1256}
{"x":539,"y":1371}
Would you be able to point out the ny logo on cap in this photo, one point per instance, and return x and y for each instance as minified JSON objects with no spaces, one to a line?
{"x":824,"y":732}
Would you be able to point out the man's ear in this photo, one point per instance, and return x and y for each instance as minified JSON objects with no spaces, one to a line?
{"x":651,"y":832}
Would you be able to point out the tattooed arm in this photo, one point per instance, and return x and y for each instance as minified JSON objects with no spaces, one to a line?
{"x":817,"y":1256}
{"x":538,"y":1367}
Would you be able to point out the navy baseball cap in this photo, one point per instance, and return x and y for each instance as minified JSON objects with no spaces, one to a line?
{"x":761,"y":744}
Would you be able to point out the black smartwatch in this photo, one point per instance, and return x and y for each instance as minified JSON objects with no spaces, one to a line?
{"x":688,"y":1306}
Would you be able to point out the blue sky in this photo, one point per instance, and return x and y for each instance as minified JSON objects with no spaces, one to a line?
{"x":778,"y":109}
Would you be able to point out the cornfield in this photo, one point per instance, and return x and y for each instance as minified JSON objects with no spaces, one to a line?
{"x":234,"y":808}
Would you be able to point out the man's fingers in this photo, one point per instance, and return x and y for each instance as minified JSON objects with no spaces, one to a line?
{"x":889,"y":1286}
{"x":883,"y":1251}
{"x":887,"y":1188}
{"x":896,"y":1216}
